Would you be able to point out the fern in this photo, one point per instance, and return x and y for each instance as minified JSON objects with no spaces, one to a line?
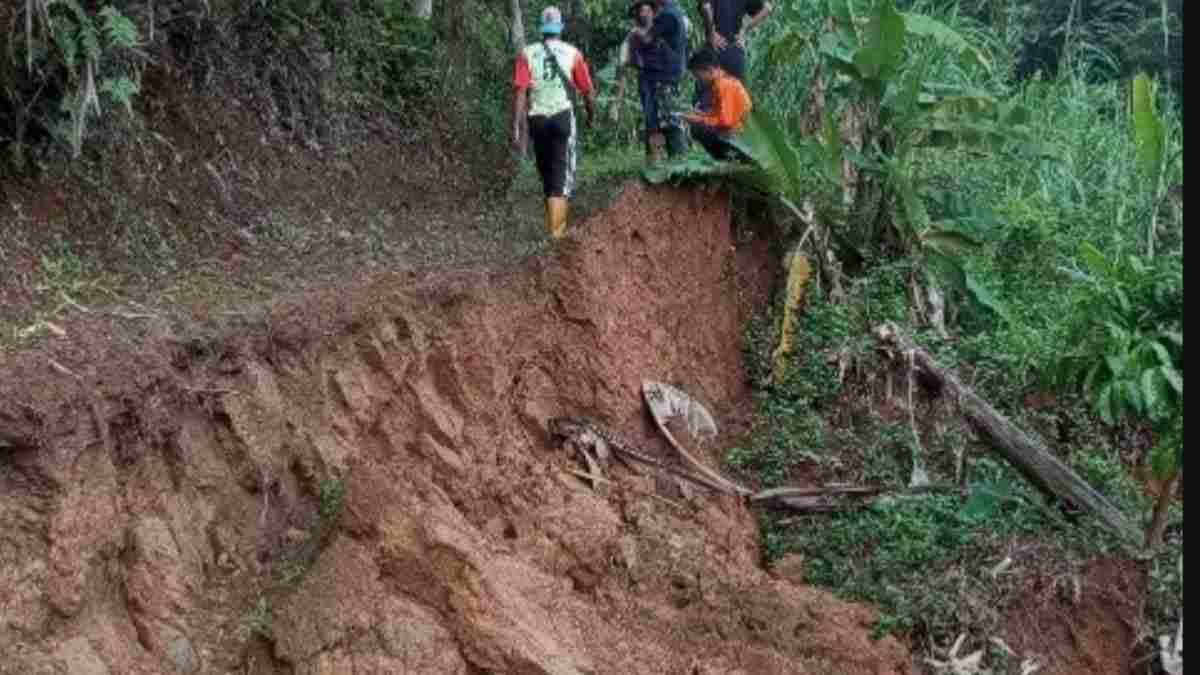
{"x":121,"y":90}
{"x":121,"y":32}
{"x":68,"y":45}
{"x":86,"y":34}
{"x":64,"y":34}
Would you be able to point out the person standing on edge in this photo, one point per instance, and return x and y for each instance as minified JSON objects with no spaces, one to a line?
{"x":641,"y":14}
{"x":546,"y":77}
{"x":724,"y":24}
{"x":663,"y":47}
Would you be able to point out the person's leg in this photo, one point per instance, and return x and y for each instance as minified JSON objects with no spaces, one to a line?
{"x":703,"y":97}
{"x":539,"y":136}
{"x":669,"y":104}
{"x":710,"y":139}
{"x":653,"y":138}
{"x":571,"y":129}
{"x":560,"y":143}
{"x":717,"y":144}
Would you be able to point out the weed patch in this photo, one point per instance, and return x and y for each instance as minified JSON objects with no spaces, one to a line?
{"x":333,"y":496}
{"x":257,"y":622}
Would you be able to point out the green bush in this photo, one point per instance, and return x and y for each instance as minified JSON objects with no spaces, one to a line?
{"x":67,"y":68}
{"x":383,"y":57}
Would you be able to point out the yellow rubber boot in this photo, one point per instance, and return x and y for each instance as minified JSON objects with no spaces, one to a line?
{"x":556,"y":216}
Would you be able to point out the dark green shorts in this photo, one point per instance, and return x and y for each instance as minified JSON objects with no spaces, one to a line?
{"x":661,"y":99}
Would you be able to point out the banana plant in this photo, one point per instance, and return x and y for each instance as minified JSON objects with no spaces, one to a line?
{"x":861,"y":177}
{"x":1151,"y":140}
{"x":881,"y":60}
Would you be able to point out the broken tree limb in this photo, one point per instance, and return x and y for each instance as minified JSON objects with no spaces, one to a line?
{"x":837,"y":497}
{"x":1030,"y":455}
{"x":828,"y":490}
{"x":824,"y":499}
{"x":656,"y":399}
{"x":702,"y":480}
{"x":604,"y":481}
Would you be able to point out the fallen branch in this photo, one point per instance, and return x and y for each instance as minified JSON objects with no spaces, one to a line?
{"x":701,"y":480}
{"x":601,"y":480}
{"x":593,"y":477}
{"x":828,"y":490}
{"x":1029,"y":455}
{"x":655,"y":399}
{"x":829,"y":498}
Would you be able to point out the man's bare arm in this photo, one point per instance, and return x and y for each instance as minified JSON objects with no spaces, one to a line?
{"x":755,"y":21}
{"x":706,"y":14}
{"x":715,"y":39}
{"x":589,"y":103}
{"x":520,"y":103}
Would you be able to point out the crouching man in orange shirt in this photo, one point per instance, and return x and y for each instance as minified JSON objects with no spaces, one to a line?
{"x":730,"y":105}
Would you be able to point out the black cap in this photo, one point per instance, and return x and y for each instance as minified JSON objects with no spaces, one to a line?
{"x":704,"y":58}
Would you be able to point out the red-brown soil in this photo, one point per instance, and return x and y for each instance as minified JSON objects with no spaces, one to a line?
{"x":1081,"y":624}
{"x":260,"y":321}
{"x":161,"y":503}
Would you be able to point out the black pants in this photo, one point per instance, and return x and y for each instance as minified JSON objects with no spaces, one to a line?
{"x":733,"y":61}
{"x":554,"y":147}
{"x":716,"y":143}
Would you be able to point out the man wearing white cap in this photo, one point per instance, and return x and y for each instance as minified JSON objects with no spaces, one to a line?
{"x":547,"y":76}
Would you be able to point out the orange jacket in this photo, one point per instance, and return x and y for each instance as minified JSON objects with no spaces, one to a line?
{"x":731,"y":104}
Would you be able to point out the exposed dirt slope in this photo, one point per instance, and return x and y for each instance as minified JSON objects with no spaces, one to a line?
{"x":1083,"y":628}
{"x":362,"y":483}
{"x":213,"y":207}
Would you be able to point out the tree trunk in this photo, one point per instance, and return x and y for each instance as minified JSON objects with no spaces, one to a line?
{"x":937,"y":309}
{"x":422,"y":9}
{"x":1028,"y":454}
{"x":517,"y":36}
{"x":1166,"y":22}
{"x":517,"y":27}
{"x":1162,"y":508}
{"x":456,"y":43}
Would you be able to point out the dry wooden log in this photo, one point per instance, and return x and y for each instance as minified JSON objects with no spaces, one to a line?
{"x":1028,"y":454}
{"x":823,"y":491}
{"x":837,"y":497}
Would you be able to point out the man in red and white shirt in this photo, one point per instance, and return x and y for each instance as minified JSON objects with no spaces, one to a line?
{"x":546,"y":77}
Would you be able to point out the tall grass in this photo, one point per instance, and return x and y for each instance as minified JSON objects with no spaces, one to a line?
{"x":1092,"y":194}
{"x":1034,"y":215}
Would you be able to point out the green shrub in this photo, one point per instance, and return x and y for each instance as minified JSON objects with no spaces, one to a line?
{"x":65,"y":70}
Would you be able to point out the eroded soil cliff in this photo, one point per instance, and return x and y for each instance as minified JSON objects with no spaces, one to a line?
{"x":362,"y":482}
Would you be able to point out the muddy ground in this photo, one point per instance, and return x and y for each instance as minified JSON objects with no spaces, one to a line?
{"x":367,"y":485}
{"x":268,"y":408}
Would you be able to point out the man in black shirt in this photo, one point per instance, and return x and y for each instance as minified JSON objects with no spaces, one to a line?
{"x":726,"y":31}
